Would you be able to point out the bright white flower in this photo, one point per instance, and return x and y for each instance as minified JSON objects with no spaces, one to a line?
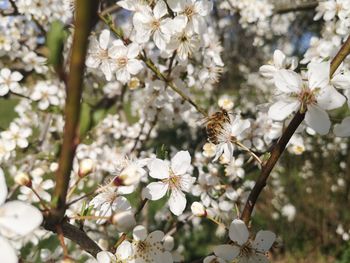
{"x":245,"y":250}
{"x":47,"y":94}
{"x":314,"y":96}
{"x":279,"y":62}
{"x":124,"y":253}
{"x":98,"y":55}
{"x":209,"y":149}
{"x":124,"y":60}
{"x":194,"y":12}
{"x":185,"y":43}
{"x":149,"y":22}
{"x":16,"y":219}
{"x":329,"y":9}
{"x":232,"y":131}
{"x":173,"y":178}
{"x":9,"y":81}
{"x":198,"y":209}
{"x":108,"y":202}
{"x":226,"y":103}
{"x":149,"y":248}
{"x":234,"y":169}
{"x":39,"y":184}
{"x":289,"y":212}
{"x":16,"y":136}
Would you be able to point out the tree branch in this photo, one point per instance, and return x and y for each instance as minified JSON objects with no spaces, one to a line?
{"x":295,"y":7}
{"x":283,"y":141}
{"x":85,"y":13}
{"x":76,"y":235}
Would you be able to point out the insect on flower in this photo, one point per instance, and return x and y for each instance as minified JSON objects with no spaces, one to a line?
{"x":215,"y":124}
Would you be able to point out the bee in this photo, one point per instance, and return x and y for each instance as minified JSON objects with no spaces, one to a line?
{"x":215,"y":124}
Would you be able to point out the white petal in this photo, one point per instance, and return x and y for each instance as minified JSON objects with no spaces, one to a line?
{"x":176,"y":5}
{"x":343,"y":129}
{"x":155,"y":236}
{"x":104,"y":38}
{"x":133,"y":50}
{"x":105,"y":257}
{"x":19,"y":217}
{"x":155,"y":190}
{"x":287,"y":81}
{"x":181,"y":162}
{"x":268,"y":71}
{"x":329,"y":98}
{"x":178,"y":24}
{"x":318,"y":74}
{"x":106,"y":69}
{"x":139,"y":232}
{"x":7,"y":252}
{"x":341,"y":81}
{"x":278,"y":59}
{"x":16,"y":76}
{"x":226,"y":252}
{"x":264,"y":240}
{"x":239,"y":126}
{"x":3,"y":187}
{"x":124,"y":250}
{"x":134,"y":66}
{"x":280,"y":110}
{"x":187,"y":182}
{"x":158,"y":169}
{"x":238,"y":232}
{"x":317,"y":119}
{"x":160,"y":9}
{"x":177,"y":202}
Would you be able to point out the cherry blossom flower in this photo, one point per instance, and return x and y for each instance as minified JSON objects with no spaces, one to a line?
{"x":149,"y":247}
{"x":173,"y":178}
{"x":124,"y":253}
{"x":213,"y":259}
{"x":16,"y":136}
{"x":125,"y":60}
{"x":98,"y":55}
{"x":280,"y":61}
{"x":9,"y":81}
{"x":243,"y":249}
{"x":46,"y":94}
{"x":314,"y":96}
{"x":193,"y":11}
{"x":149,"y":22}
{"x":230,"y":133}
{"x":16,"y":219}
{"x":185,"y":43}
{"x":108,"y":202}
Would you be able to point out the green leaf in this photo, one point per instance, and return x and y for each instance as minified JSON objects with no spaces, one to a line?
{"x":55,"y":39}
{"x":85,"y":119}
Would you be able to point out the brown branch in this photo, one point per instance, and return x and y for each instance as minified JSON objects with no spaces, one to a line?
{"x":76,"y":235}
{"x":296,"y":7}
{"x":282,"y":143}
{"x":85,"y":12}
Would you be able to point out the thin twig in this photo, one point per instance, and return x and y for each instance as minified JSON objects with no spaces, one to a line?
{"x":295,"y":7}
{"x":283,"y":141}
{"x":249,"y":151}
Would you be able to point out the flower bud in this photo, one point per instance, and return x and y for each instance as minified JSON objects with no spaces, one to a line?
{"x":124,"y":220}
{"x":23,"y":179}
{"x":225,"y":103}
{"x":209,"y":149}
{"x":85,"y":167}
{"x":198,"y":209}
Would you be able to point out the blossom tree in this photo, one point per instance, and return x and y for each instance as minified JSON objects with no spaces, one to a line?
{"x":146,"y":131}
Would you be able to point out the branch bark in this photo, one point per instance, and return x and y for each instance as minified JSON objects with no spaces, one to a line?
{"x":295,"y":7}
{"x":283,"y":141}
{"x":85,"y":13}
